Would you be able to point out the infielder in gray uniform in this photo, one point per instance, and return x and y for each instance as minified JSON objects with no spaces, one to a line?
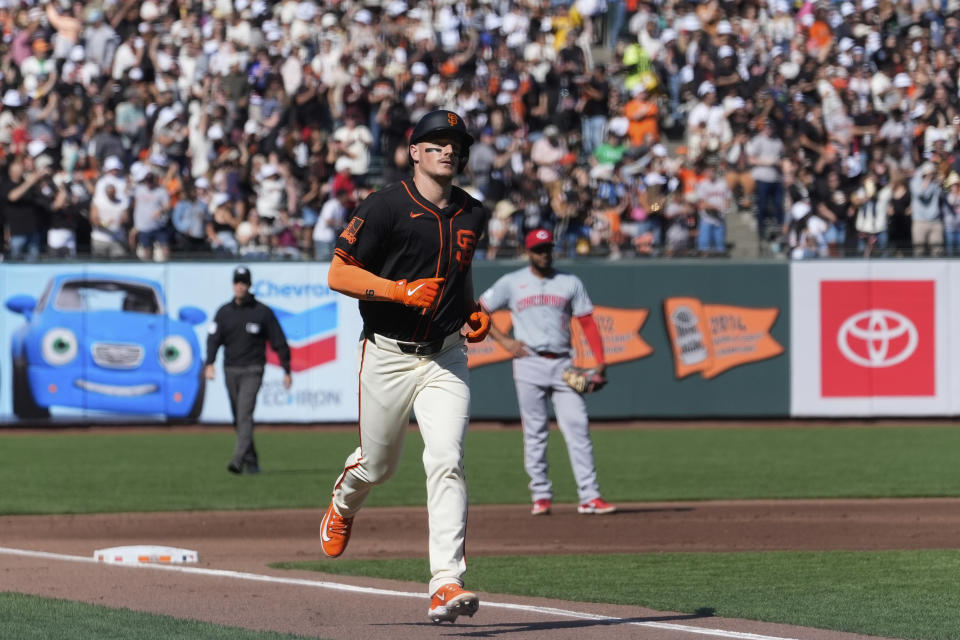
{"x":541,"y":301}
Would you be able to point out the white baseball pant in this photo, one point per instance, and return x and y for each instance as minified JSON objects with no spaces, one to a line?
{"x":436,"y":389}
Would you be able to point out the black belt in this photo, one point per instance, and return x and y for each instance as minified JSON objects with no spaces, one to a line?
{"x":553,"y":355}
{"x":416,"y":348}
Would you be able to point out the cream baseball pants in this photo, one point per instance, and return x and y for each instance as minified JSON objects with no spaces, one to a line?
{"x":436,"y":390}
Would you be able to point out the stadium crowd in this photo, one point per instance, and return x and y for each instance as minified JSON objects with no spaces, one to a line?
{"x":630,"y":127}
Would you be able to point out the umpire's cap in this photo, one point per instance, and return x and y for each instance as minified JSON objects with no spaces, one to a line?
{"x":241,"y":274}
{"x":446,"y":122}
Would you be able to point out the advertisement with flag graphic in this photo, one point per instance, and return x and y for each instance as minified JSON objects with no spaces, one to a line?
{"x":92,"y":342}
{"x":872,"y":338}
{"x":661,"y":323}
{"x":712,"y":338}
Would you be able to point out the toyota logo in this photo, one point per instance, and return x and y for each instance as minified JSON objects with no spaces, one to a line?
{"x":885,"y":338}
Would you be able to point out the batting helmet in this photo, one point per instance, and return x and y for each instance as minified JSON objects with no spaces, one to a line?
{"x":446,"y":122}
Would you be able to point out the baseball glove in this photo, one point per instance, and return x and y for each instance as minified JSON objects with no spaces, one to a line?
{"x":584,"y":380}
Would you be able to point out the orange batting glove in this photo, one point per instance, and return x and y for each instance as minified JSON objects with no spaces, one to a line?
{"x":419,"y":293}
{"x":479,"y":322}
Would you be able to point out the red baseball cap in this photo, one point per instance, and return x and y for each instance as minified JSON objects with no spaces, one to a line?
{"x":537,"y":237}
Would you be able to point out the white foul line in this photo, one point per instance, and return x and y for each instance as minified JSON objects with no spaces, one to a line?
{"x":336,"y":586}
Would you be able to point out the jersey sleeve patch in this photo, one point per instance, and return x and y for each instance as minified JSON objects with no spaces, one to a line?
{"x":352,"y":229}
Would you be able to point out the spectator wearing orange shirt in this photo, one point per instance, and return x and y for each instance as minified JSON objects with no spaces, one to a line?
{"x":820,"y":39}
{"x":643,"y":112}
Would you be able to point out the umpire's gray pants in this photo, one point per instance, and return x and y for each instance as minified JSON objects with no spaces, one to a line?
{"x":243,"y":383}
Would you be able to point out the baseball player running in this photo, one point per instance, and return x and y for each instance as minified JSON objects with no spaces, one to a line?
{"x":406,"y":255}
{"x":541,"y":301}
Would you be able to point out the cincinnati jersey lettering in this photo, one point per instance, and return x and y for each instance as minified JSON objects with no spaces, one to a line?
{"x":542,"y":300}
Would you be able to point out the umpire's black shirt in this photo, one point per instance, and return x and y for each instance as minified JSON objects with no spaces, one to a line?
{"x":243,"y":329}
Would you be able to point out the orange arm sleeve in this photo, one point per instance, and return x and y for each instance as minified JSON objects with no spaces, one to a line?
{"x":357,"y":282}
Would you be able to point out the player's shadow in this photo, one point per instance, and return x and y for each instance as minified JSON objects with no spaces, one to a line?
{"x":623,"y":510}
{"x":469,"y":630}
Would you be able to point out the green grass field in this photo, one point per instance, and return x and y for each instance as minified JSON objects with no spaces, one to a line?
{"x":894,"y":594}
{"x":120,"y":471}
{"x":32,"y":618}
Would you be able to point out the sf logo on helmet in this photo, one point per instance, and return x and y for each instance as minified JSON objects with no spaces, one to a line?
{"x":452,"y":119}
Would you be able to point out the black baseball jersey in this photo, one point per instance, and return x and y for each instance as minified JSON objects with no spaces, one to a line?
{"x":244,"y":330}
{"x":398,"y":234}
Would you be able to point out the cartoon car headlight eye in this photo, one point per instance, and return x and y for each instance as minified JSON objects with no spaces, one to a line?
{"x":59,"y":347}
{"x":175,"y":355}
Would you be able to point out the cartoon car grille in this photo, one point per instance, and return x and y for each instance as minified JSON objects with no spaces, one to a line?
{"x":117,"y":356}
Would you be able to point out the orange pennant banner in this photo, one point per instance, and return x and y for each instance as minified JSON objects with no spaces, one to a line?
{"x":619,"y":328}
{"x":712,"y":338}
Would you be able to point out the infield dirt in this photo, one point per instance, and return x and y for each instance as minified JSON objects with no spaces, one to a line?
{"x":247,"y":541}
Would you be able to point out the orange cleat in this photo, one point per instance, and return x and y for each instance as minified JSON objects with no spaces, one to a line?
{"x":452,"y":600}
{"x":334,"y":532}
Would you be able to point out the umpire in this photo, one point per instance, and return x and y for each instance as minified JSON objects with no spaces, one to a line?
{"x":243,"y":326}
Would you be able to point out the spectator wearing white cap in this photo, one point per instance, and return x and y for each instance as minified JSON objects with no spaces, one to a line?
{"x":872,"y":203}
{"x":100,"y":39}
{"x":330,"y":63}
{"x":671,"y":57}
{"x":360,"y":31}
{"x":353,"y":141}
{"x":713,"y":198}
{"x":546,"y":153}
{"x":109,"y":213}
{"x":728,"y":78}
{"x":806,"y":236}
{"x":540,"y":55}
{"x":170,"y":133}
{"x":271,"y":195}
{"x":707,"y":120}
{"x":112,"y":174}
{"x":151,"y":211}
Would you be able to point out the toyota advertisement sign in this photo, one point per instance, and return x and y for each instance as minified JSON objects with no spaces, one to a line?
{"x":872,"y":338}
